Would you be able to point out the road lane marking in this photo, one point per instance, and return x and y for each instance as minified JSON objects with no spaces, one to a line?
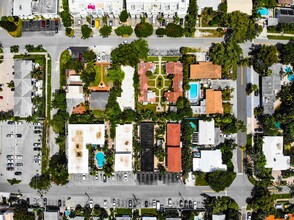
{"x":242,"y":167}
{"x":242,"y":75}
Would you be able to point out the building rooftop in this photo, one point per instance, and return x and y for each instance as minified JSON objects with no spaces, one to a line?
{"x":205,"y":70}
{"x":123,"y":162}
{"x":99,"y":100}
{"x":23,"y":106}
{"x":209,"y":160}
{"x":80,"y":135}
{"x":219,"y":217}
{"x":244,"y":6}
{"x":214,"y":102}
{"x":285,"y":2}
{"x":206,"y":134}
{"x":143,"y":80}
{"x":22,"y":7}
{"x":174,"y":159}
{"x":273,"y":151}
{"x":127,"y":98}
{"x":124,"y":138}
{"x":51,"y":215}
{"x":173,"y":134}
{"x":147,"y":146}
{"x":207,"y":4}
{"x":175,"y":68}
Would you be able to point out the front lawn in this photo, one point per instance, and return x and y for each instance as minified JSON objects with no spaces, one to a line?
{"x":200,"y":179}
{"x":123,"y":211}
{"x":141,"y":107}
{"x":149,"y":212}
{"x":64,"y":57}
{"x":97,"y":77}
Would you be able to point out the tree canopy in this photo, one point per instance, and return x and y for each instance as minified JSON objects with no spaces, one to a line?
{"x":89,"y":56}
{"x":287,"y":53}
{"x":86,"y":31}
{"x":41,"y":182}
{"x":124,"y":31}
{"x":123,"y":17}
{"x":174,"y":30}
{"x":116,"y":74}
{"x":105,"y":31}
{"x":219,"y":180}
{"x":21,"y":212}
{"x":143,"y":29}
{"x":58,"y":169}
{"x":263,"y":58}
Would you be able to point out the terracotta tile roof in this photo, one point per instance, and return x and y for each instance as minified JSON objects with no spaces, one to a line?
{"x":205,"y":70}
{"x":79,"y":109}
{"x":175,"y":68}
{"x":142,"y":69}
{"x":214,"y":102}
{"x":174,"y":159}
{"x":285,"y":2}
{"x":173,"y":134}
{"x":272,"y":217}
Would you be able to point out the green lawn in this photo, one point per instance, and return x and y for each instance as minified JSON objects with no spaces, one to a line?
{"x":282,"y":196}
{"x":200,"y":179}
{"x":151,"y":59}
{"x":227,"y":108}
{"x":98,"y":76}
{"x":171,"y":59}
{"x":151,"y":82}
{"x":149,"y":212}
{"x":122,"y":211}
{"x":98,"y":114}
{"x":64,"y":57}
{"x":279,"y":37}
{"x":141,"y":107}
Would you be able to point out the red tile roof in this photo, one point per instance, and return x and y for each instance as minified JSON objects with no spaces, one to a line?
{"x":214,"y":102}
{"x":173,"y":134}
{"x":174,"y":159}
{"x":142,"y":69}
{"x":175,"y":68}
{"x":205,"y":70}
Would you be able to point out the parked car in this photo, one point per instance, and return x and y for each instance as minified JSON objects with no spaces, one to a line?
{"x":84,"y":176}
{"x":36,"y":144}
{"x":190,"y":204}
{"x":113,"y":203}
{"x":37,"y":149}
{"x":9,"y":156}
{"x":43,"y":23}
{"x":96,"y":177}
{"x":56,"y":21}
{"x":59,"y":202}
{"x":181,"y":204}
{"x":91,"y":203}
{"x":1,"y":97}
{"x":18,"y":135}
{"x":186,"y":204}
{"x":47,"y":23}
{"x":146,"y":204}
{"x":110,"y":23}
{"x":10,"y":165}
{"x":125,"y":177}
{"x":9,"y":135}
{"x":37,"y":131}
{"x":45,"y":201}
{"x":125,"y":41}
{"x":10,"y":168}
{"x":169,"y":202}
{"x":17,"y":173}
{"x":104,"y":178}
{"x":28,"y":201}
{"x":195,"y":205}
{"x":30,"y":22}
{"x":130,"y":204}
{"x":105,"y":203}
{"x":56,"y":30}
{"x":154,"y":203}
{"x":10,"y":122}
{"x":19,"y":164}
{"x":18,"y":156}
{"x":93,"y":23}
{"x":181,"y":21}
{"x":10,"y":161}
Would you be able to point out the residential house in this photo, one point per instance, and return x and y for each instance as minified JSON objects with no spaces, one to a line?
{"x":51,"y":215}
{"x":98,"y":100}
{"x":214,"y":102}
{"x":205,"y":135}
{"x":205,"y":70}
{"x":74,"y":85}
{"x":208,"y":161}
{"x":145,"y":95}
{"x":273,"y":151}
{"x":23,"y":106}
{"x":271,"y":85}
{"x":174,"y":151}
{"x":244,"y":6}
{"x":285,"y":2}
{"x":6,"y":214}
{"x":219,"y":217}
{"x":147,"y":146}
{"x":28,"y":8}
{"x":285,"y":15}
{"x":79,"y":136}
{"x":97,"y":8}
{"x":154,"y":8}
{"x":175,"y":68}
{"x":207,"y":4}
{"x":127,"y":98}
{"x":123,"y":147}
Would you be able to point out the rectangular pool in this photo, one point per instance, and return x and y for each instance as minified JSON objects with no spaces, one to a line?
{"x":193,"y":92}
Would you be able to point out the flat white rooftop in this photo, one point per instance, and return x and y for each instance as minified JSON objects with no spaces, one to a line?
{"x":127,"y":99}
{"x":209,"y":161}
{"x":206,"y":132}
{"x":273,"y":151}
{"x":123,"y":162}
{"x":80,"y":135}
{"x":124,"y":138}
{"x":244,"y":6}
{"x":22,"y":7}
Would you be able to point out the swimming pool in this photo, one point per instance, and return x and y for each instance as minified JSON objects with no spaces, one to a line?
{"x":291,"y":77}
{"x":288,"y":69}
{"x":193,"y":92}
{"x":263,"y":11}
{"x":100,"y":159}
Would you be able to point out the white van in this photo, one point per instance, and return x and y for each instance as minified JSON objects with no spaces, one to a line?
{"x":157,"y":206}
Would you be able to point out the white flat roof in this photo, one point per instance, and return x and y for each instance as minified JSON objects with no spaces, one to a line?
{"x":127,"y":99}
{"x":207,"y":4}
{"x":209,"y":161}
{"x":124,"y":138}
{"x":273,"y":151}
{"x":22,"y":7}
{"x":74,"y":92}
{"x":206,"y":132}
{"x":123,"y":162}
{"x":244,"y":6}
{"x":79,"y":135}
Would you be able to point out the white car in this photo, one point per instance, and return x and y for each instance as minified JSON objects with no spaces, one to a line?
{"x":125,"y":41}
{"x":96,"y":177}
{"x":18,"y":156}
{"x":169,"y":202}
{"x":91,"y":203}
{"x":126,"y":177}
{"x":113,"y":203}
{"x":84,"y":176}
{"x":105,"y":203}
{"x":10,"y":161}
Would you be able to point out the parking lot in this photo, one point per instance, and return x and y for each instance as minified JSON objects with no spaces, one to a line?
{"x":40,"y":25}
{"x":20,"y":150}
{"x":169,"y":52}
{"x":153,"y":178}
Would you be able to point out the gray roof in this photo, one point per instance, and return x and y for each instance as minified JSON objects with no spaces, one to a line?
{"x":23,"y":106}
{"x":76,"y":50}
{"x":286,"y":15}
{"x":51,"y":215}
{"x":270,"y":86}
{"x":99,"y":100}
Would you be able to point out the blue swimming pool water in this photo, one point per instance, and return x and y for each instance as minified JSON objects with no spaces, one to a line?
{"x":100,"y":159}
{"x":67,"y":213}
{"x":291,"y":77}
{"x":193,"y":92}
{"x":288,"y":69}
{"x":278,"y":125}
{"x":263,"y":11}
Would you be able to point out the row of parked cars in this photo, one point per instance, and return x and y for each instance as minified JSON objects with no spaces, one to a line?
{"x":14,"y":161}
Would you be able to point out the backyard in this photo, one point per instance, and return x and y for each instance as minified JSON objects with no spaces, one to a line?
{"x":101,"y":75}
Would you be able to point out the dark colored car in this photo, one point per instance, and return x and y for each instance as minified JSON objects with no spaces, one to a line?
{"x":47,"y":23}
{"x":10,"y":122}
{"x":56,"y":22}
{"x":10,"y":168}
{"x":43,"y":23}
{"x":190,"y":204}
{"x":93,"y":23}
{"x":18,"y":135}
{"x":28,"y":201}
{"x":59,"y":203}
{"x":186,"y":204}
{"x":56,"y":30}
{"x":181,"y":204}
{"x":80,"y":57}
{"x":37,"y":149}
{"x":1,"y":97}
{"x":181,"y":21}
{"x":104,"y":178}
{"x":31,"y":23}
{"x":146,"y":204}
{"x":37,"y":131}
{"x":130,"y":204}
{"x":17,"y":173}
{"x":45,"y":201}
